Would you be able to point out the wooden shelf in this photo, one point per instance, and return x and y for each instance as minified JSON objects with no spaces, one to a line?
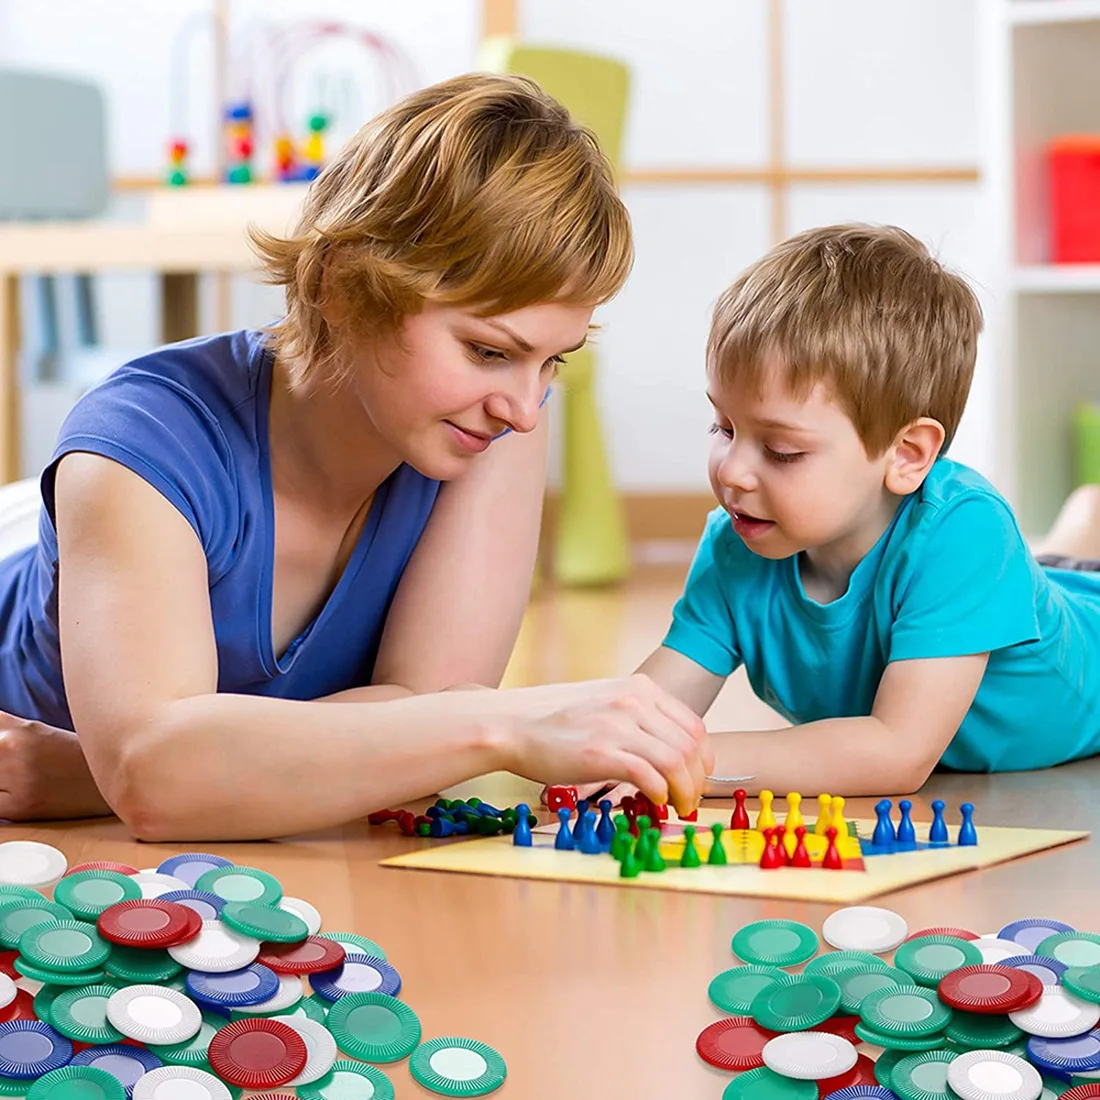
{"x":1030,"y":13}
{"x":1058,"y":279}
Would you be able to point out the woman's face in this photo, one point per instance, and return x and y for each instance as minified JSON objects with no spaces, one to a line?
{"x":448,"y":381}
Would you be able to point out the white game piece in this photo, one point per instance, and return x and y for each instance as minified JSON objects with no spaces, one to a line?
{"x":154,"y":1014}
{"x":303,"y":909}
{"x":8,"y":991}
{"x":28,"y":863}
{"x":153,"y":883}
{"x":289,"y":993}
{"x":180,"y":1083}
{"x":217,"y":949}
{"x":994,"y":1075}
{"x":995,"y":950}
{"x":809,"y":1055}
{"x":1057,"y":1014}
{"x":864,"y":928}
{"x":321,"y":1052}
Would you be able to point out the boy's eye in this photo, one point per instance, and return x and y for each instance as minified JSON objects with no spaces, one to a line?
{"x":725,"y":430}
{"x":783,"y":456}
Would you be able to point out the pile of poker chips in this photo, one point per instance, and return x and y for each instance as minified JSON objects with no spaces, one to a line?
{"x":191,"y":980}
{"x":956,"y":1015}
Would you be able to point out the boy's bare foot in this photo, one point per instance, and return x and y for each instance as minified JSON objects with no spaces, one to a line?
{"x":1076,"y":531}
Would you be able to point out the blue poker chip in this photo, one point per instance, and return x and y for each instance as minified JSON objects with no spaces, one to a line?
{"x":208,"y":906}
{"x":120,"y":1060}
{"x":1081,"y":1054}
{"x":191,"y":866}
{"x":357,"y":974}
{"x":30,"y":1048}
{"x":1031,"y":931}
{"x":248,"y":986}
{"x":1048,"y":971}
{"x":854,"y":1092}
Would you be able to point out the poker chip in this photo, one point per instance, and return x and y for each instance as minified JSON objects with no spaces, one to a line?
{"x":180,"y":1083}
{"x":149,"y":922}
{"x":809,"y":1055}
{"x":8,"y":991}
{"x":796,"y":1002}
{"x":1077,"y":1054}
{"x":457,"y":1067}
{"x":357,"y":974}
{"x":123,"y":1062}
{"x":765,"y":1084}
{"x":59,"y":977}
{"x":21,"y":913}
{"x":1048,"y":971}
{"x":312,"y":918}
{"x":859,"y":982}
{"x":923,"y":1076}
{"x":154,"y":1014}
{"x":208,"y":906}
{"x":906,"y":1011}
{"x":994,"y":949}
{"x":7,"y":961}
{"x":993,"y":1075}
{"x":736,"y":1043}
{"x":904,"y":1043}
{"x":884,"y":1065}
{"x":1072,"y":948}
{"x":1058,"y":1014}
{"x":1082,"y":1092}
{"x":141,"y":965}
{"x":63,"y":945}
{"x":264,"y":923}
{"x":842,"y":1025}
{"x":833,"y":962}
{"x":862,"y":1092}
{"x":21,"y":1007}
{"x":982,"y":1031}
{"x":735,"y":989}
{"x":81,"y":1014}
{"x":287,"y":994}
{"x":990,"y":988}
{"x":354,"y":944}
{"x":346,"y":1079}
{"x":864,"y":928}
{"x":314,"y":954}
{"x":88,"y":893}
{"x":247,"y":986}
{"x":944,"y":930}
{"x":103,"y":865}
{"x":29,"y":863}
{"x":194,"y":1051}
{"x":1031,"y":931}
{"x":929,"y":959}
{"x":862,"y":1073}
{"x":257,"y":1053}
{"x":153,"y":884}
{"x":83,"y":1082}
{"x":321,"y":1049}
{"x":216,"y":948}
{"x":375,"y":1027}
{"x":191,"y":866}
{"x":241,"y":884}
{"x":775,"y":943}
{"x":1082,"y":982}
{"x":31,"y":1048}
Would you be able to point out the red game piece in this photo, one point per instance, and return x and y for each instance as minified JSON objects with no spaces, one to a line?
{"x":945,"y":930}
{"x":22,"y":1008}
{"x":103,"y":865}
{"x":629,"y":807}
{"x":380,"y":817}
{"x":561,"y":798}
{"x":1083,"y":1092}
{"x":990,"y":988}
{"x":769,"y":858}
{"x":736,"y":1043}
{"x":313,"y":954}
{"x":862,"y":1073}
{"x":832,"y":860}
{"x":842,"y":1026}
{"x":406,"y":822}
{"x":781,"y":845}
{"x":801,"y":856}
{"x":693,"y":816}
{"x":740,"y":816}
{"x":257,"y":1053}
{"x":149,"y":922}
{"x":662,"y":812}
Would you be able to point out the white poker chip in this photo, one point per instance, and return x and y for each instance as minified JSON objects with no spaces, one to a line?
{"x":864,"y":928}
{"x":180,"y":1083}
{"x":28,"y":863}
{"x":8,"y":990}
{"x":809,"y":1055}
{"x":303,"y":909}
{"x":289,"y":993}
{"x":217,"y":949}
{"x":1057,"y":1014}
{"x":995,"y":950}
{"x":321,"y":1052}
{"x":31,"y":985}
{"x":152,"y":883}
{"x":994,"y":1075}
{"x":154,"y":1014}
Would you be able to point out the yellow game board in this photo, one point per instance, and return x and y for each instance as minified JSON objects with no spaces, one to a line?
{"x":882,"y":874}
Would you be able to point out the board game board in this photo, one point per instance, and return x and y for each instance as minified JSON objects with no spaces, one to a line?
{"x":742,"y":876}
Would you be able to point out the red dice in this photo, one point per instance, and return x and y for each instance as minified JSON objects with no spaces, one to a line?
{"x":561,"y":798}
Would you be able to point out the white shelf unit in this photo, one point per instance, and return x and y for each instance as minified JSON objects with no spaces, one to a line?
{"x":1042,"y":80}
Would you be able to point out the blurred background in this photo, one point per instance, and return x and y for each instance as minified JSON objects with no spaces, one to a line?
{"x":137,"y":139}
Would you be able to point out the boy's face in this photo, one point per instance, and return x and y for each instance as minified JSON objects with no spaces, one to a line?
{"x":794,"y":474}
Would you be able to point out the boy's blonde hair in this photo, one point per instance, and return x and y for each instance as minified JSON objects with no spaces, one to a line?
{"x":864,"y":309}
{"x":477,"y":191}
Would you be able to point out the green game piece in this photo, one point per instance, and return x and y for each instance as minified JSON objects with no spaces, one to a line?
{"x":1072,"y":948}
{"x":621,"y":827}
{"x":374,"y":1027}
{"x":765,"y":1084}
{"x":241,"y":884}
{"x":796,"y":1002}
{"x":979,"y":1031}
{"x":835,"y":962}
{"x":929,"y":959}
{"x":884,"y":1065}
{"x":490,"y":826}
{"x":424,"y":829}
{"x":77,"y":1083}
{"x":196,"y":1050}
{"x":923,"y":1076}
{"x":654,"y":861}
{"x":906,"y":1011}
{"x":735,"y":989}
{"x":65,"y":945}
{"x":775,"y":943}
{"x":345,"y":1081}
{"x":690,"y":857}
{"x":263,"y":922}
{"x":641,"y":850}
{"x":451,"y":1067}
{"x":717,"y":857}
{"x":1083,"y":982}
{"x":88,"y":893}
{"x":81,"y":1014}
{"x":628,"y":867}
{"x":19,"y":914}
{"x":859,"y":981}
{"x":899,"y":1042}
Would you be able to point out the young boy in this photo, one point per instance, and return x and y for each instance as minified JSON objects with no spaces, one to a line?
{"x":880,"y":595}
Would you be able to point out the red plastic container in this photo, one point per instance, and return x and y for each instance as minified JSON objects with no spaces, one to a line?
{"x":1075,"y":199}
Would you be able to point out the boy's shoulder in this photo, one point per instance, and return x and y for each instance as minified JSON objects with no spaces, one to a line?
{"x":951,"y":488}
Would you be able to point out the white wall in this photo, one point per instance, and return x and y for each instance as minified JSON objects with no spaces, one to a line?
{"x":867,"y":84}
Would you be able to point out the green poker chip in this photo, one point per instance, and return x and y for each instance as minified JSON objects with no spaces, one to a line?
{"x":65,"y":945}
{"x":457,"y":1067}
{"x":775,"y":943}
{"x":884,"y":1065}
{"x":764,"y":1084}
{"x":59,"y":977}
{"x":374,"y":1027}
{"x":10,"y":891}
{"x":860,"y":981}
{"x":905,"y":1010}
{"x":20,"y":914}
{"x":900,"y":1042}
{"x":44,"y":998}
{"x":242,"y":884}
{"x":929,"y":959}
{"x":196,"y":1050}
{"x":735,"y":989}
{"x":923,"y":1076}
{"x":352,"y":942}
{"x":1072,"y":948}
{"x":833,"y":962}
{"x":263,"y":922}
{"x":89,"y":893}
{"x":81,"y":1014}
{"x":140,"y":966}
{"x":1083,"y":982}
{"x":11,"y":1086}
{"x":77,"y":1083}
{"x":982,"y":1031}
{"x":796,"y":1002}
{"x":345,"y":1082}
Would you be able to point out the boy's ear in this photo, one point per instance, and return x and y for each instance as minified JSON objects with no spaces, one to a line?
{"x":915,"y":448}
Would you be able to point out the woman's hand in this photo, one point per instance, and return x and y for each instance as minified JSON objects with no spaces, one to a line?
{"x":43,"y":773}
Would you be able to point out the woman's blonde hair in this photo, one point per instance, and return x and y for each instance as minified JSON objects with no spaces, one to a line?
{"x":479,"y":191}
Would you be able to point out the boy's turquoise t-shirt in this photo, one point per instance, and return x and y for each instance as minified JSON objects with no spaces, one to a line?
{"x":951,"y":576}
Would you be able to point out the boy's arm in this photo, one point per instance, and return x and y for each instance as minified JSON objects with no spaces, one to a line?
{"x":692,"y":684}
{"x":919,"y":706}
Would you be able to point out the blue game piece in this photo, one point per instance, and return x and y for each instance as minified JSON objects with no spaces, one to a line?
{"x":590,"y":842}
{"x":938,"y":833}
{"x":884,"y":835}
{"x":578,"y":827}
{"x":485,"y":810}
{"x":906,"y":834}
{"x":968,"y":835}
{"x":248,"y":986}
{"x":605,"y":829}
{"x":564,"y":842}
{"x":521,"y":834}
{"x":121,"y":1061}
{"x":442,"y":827}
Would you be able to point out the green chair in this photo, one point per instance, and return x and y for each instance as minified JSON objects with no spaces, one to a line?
{"x":590,"y":542}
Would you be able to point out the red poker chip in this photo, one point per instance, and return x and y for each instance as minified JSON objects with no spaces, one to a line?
{"x":842,"y":1026}
{"x":735,"y":1043}
{"x":990,"y":988}
{"x":7,"y":964}
{"x":103,"y":865}
{"x":149,"y":922}
{"x":257,"y":1053}
{"x":862,"y":1073}
{"x":310,"y":956}
{"x":1083,"y":1092}
{"x":22,"y":1008}
{"x":944,"y":930}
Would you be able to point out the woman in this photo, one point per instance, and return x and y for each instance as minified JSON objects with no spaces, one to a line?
{"x":265,"y":559}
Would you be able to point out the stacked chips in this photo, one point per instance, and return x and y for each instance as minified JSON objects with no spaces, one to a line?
{"x":955,"y":1015}
{"x":191,"y":979}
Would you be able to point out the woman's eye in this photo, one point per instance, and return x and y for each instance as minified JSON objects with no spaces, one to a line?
{"x":486,"y":355}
